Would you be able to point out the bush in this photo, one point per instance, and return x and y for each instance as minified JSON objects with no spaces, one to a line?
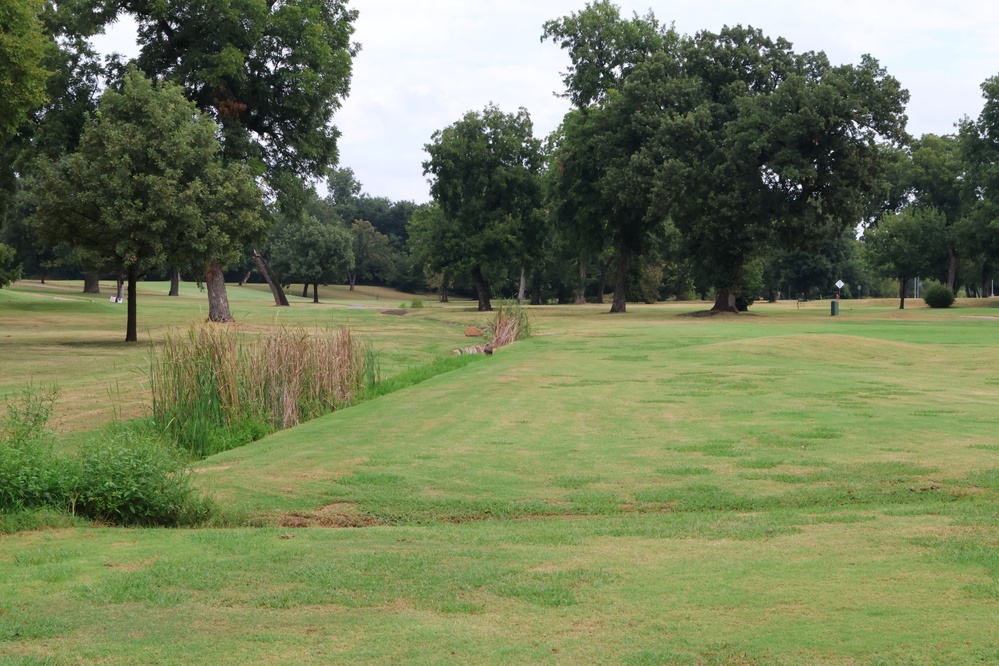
{"x":125,"y":476}
{"x":416,"y":303}
{"x":31,"y":475}
{"x":938,"y":296}
{"x":130,"y":477}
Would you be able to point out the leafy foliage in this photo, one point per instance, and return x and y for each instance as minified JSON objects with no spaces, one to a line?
{"x":23,"y":46}
{"x":372,"y":254}
{"x":147,"y":188}
{"x":9,"y":271}
{"x":938,"y":296}
{"x":133,"y":477}
{"x":484,"y":174}
{"x":271,"y":74}
{"x":907,"y":245}
{"x":311,"y":252}
{"x":123,"y":475}
{"x":31,"y":475}
{"x":744,"y":144}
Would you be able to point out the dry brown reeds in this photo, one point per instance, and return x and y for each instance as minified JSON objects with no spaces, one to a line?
{"x":509,"y":324}
{"x":213,"y":386}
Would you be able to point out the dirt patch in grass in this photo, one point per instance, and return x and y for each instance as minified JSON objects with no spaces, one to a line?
{"x":716,"y":313}
{"x":131,"y":566}
{"x":339,"y":514}
{"x":395,"y":312}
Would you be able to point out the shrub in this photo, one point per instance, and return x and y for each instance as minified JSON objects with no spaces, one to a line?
{"x":31,"y":475}
{"x":128,"y":476}
{"x":938,"y":296}
{"x":125,"y":475}
{"x":416,"y":303}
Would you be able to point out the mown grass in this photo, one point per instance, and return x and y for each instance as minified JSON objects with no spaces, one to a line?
{"x":782,"y":488}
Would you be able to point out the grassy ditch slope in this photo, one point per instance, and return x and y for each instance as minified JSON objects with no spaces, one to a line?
{"x":779,"y":488}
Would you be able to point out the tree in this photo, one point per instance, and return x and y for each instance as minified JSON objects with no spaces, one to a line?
{"x":761,"y":147}
{"x":311,"y":252}
{"x":23,"y":46}
{"x":435,"y":242}
{"x":936,"y":178}
{"x":485,"y":176}
{"x":271,"y":75}
{"x":978,"y":233}
{"x":597,"y":194}
{"x":147,"y":188}
{"x":907,"y":245}
{"x":9,"y":271}
{"x":372,"y":254}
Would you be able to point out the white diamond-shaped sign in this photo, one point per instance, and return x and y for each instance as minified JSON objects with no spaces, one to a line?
{"x":839,"y":284}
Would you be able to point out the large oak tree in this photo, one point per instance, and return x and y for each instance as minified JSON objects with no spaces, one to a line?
{"x":485,"y":176}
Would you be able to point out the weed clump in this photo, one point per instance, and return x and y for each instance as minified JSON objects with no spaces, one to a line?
{"x":938,"y":296}
{"x":511,"y":323}
{"x":123,"y":476}
{"x":215,"y":389}
{"x":132,"y":476}
{"x":31,"y":475}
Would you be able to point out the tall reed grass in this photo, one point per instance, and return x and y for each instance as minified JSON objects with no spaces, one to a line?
{"x":214,"y":388}
{"x":510,"y":323}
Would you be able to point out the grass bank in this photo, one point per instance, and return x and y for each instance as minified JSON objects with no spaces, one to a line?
{"x":781,"y":488}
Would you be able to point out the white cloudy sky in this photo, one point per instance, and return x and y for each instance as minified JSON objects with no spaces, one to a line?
{"x":424,"y":63}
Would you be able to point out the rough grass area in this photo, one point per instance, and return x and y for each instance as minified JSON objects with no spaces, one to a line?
{"x":785,"y":488}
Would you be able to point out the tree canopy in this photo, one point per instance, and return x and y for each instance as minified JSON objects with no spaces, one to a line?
{"x":485,"y":176}
{"x":739,"y":141}
{"x":147,"y":188}
{"x":907,"y":245}
{"x":311,"y":252}
{"x":23,"y":47}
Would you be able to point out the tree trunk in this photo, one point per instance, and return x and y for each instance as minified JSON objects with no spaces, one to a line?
{"x":352,"y":278}
{"x":91,"y":283}
{"x":246,"y":278}
{"x":581,"y":285}
{"x":619,"y":304}
{"x":536,"y":290}
{"x":903,"y":288}
{"x":523,"y":286}
{"x":482,"y":289}
{"x":174,"y":283}
{"x":443,"y":292}
{"x":131,"y":334}
{"x":952,"y":270}
{"x":218,"y":301}
{"x":305,"y":290}
{"x":315,"y":292}
{"x":265,"y":270}
{"x":725,"y":301}
{"x":773,"y":296}
{"x":602,"y":281}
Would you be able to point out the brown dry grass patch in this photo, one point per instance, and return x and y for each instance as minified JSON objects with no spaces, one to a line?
{"x":336,"y":515}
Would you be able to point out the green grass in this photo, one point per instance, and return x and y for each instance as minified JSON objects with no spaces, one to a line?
{"x":780,"y":488}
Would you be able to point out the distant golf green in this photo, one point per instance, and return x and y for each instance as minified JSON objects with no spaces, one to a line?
{"x":779,"y":487}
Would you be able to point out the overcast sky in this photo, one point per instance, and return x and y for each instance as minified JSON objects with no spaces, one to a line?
{"x":423,"y":64}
